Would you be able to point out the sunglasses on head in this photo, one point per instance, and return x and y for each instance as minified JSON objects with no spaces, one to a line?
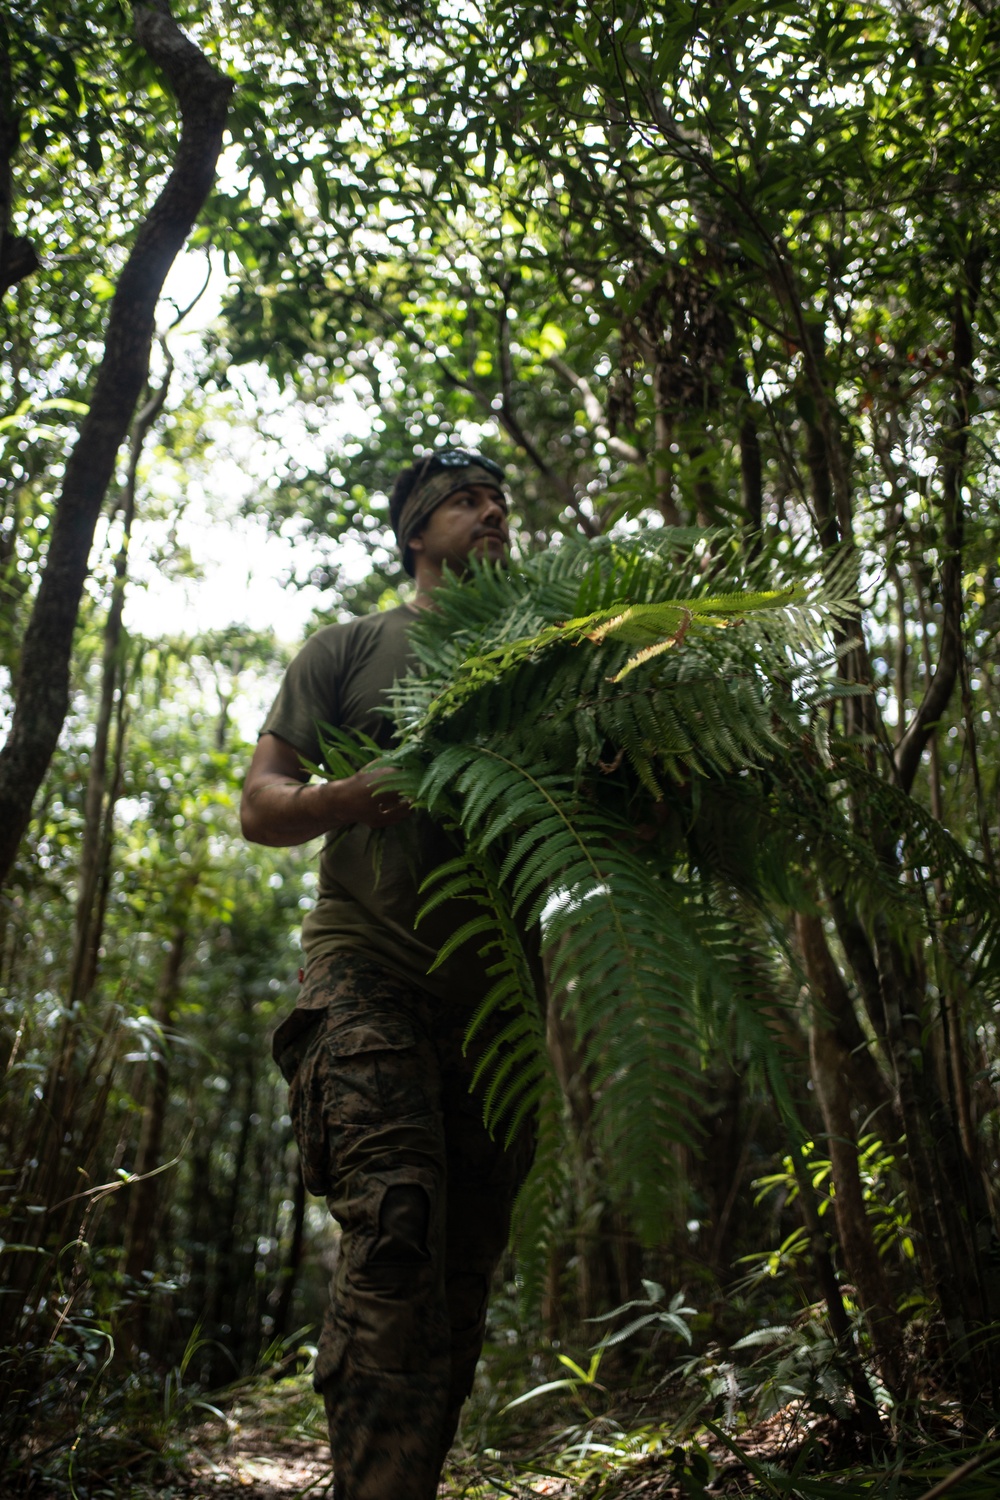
{"x":457,"y":458}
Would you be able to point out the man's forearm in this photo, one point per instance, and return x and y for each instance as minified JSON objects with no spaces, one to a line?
{"x":280,"y":812}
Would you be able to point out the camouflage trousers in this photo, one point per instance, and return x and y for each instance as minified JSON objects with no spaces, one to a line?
{"x":389,"y":1133}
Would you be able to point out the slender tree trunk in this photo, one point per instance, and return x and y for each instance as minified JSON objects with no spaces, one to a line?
{"x":95,"y":936}
{"x":98,"y":811}
{"x":948,"y":1201}
{"x":42,"y":691}
{"x":144,"y":1194}
{"x":958,"y":1071}
{"x":706,"y":498}
{"x":831,"y":1068}
{"x":955,"y":442}
{"x":840,"y":1324}
{"x":863,"y":1075}
{"x":931,"y":741}
{"x":902,"y":651}
{"x":289,"y":1274}
{"x":229,"y":1297}
{"x":724,"y":1159}
{"x":17,"y":254}
{"x":751,"y":472}
{"x":98,"y":814}
{"x":663,"y":473}
{"x":201,"y":1217}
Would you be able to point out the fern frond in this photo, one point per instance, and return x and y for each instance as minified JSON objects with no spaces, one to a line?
{"x":555,"y":705}
{"x":344,"y":752}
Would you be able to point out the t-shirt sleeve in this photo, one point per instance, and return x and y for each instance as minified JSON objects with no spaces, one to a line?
{"x":309,"y":695}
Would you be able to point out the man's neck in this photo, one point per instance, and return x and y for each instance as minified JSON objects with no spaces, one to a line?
{"x":427,"y":579}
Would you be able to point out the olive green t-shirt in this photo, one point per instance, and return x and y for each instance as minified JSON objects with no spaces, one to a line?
{"x":367,"y":906}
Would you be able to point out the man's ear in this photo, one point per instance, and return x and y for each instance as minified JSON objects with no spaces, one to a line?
{"x":416,"y":541}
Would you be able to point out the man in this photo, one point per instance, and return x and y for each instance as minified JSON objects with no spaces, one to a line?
{"x":379,"y":1089}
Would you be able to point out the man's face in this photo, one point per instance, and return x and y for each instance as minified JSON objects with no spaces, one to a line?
{"x":470,"y":523}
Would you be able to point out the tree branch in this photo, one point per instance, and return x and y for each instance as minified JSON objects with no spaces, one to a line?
{"x":98,"y":810}
{"x":956,"y":438}
{"x":594,"y":412}
{"x":203,"y":95}
{"x":504,"y":415}
{"x":17,"y":254}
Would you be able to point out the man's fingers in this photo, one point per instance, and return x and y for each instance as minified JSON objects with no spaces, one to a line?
{"x":374,"y":782}
{"x":384,"y":805}
{"x":385,"y":812}
{"x":368,"y":800}
{"x":396,"y":815}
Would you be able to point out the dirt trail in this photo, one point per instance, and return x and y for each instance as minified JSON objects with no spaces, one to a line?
{"x":273,"y":1450}
{"x":255,"y":1467}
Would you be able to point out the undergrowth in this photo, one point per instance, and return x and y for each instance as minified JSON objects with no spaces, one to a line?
{"x":643,"y":1418}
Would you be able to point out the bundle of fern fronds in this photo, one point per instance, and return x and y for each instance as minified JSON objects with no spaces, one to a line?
{"x":634,"y":741}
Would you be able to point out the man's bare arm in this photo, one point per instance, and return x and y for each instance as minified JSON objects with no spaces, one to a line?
{"x":281,"y":806}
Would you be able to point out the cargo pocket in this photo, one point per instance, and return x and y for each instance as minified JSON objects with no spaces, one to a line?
{"x":391,"y":1293}
{"x":356,"y":1075}
{"x":376,"y":1072}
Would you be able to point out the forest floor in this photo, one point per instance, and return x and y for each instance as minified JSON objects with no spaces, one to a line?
{"x":257,"y":1465}
{"x":272,"y":1447}
{"x":265,"y":1439}
{"x":254,"y":1464}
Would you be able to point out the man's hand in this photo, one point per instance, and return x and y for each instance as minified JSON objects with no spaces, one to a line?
{"x":280,"y":806}
{"x":363,"y":802}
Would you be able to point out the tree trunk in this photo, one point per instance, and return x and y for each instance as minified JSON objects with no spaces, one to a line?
{"x":17,"y":254}
{"x":43,"y":683}
{"x":95,"y":934}
{"x":97,"y":810}
{"x":954,"y":443}
{"x":234,"y":1268}
{"x":831,"y":1068}
{"x":725,"y":1155}
{"x":946,"y":1196}
{"x":868,"y":1418}
{"x":663,"y":472}
{"x":751,"y":472}
{"x":144,"y":1194}
{"x":284,"y":1291}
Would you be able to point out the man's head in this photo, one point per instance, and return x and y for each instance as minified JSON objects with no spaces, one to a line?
{"x":446,"y":508}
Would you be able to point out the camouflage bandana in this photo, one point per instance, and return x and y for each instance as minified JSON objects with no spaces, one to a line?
{"x":426,"y":497}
